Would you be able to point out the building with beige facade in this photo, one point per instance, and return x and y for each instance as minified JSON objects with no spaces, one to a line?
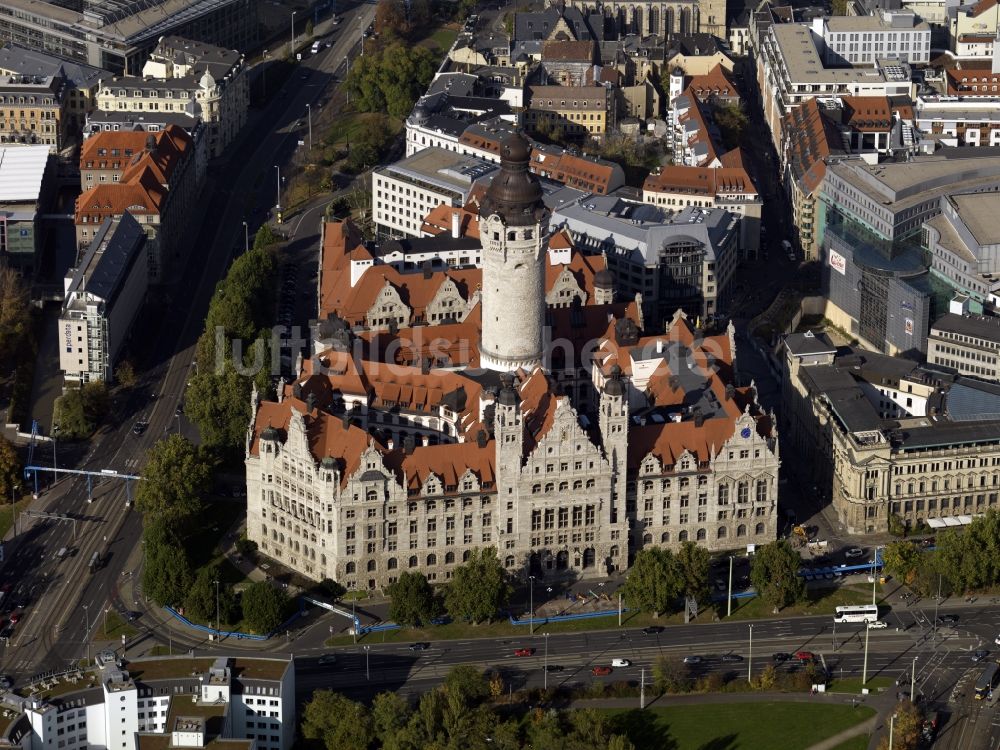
{"x":363,"y":467}
{"x":587,"y":111}
{"x":32,"y":110}
{"x":660,"y":17}
{"x":966,"y":344}
{"x":889,"y":437}
{"x":181,"y":76}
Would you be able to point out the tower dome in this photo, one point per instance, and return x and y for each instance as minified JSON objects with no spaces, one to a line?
{"x":515,"y":194}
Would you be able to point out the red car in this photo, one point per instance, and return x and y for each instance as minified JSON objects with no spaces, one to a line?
{"x":601,"y":671}
{"x":806,"y":657}
{"x":15,"y":617}
{"x":524,"y":652}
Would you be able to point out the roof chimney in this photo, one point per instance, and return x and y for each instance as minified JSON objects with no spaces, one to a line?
{"x":390,"y":444}
{"x":730,"y":392}
{"x":482,"y":438}
{"x":425,"y":440}
{"x":345,"y":420}
{"x":699,"y":418}
{"x":310,"y":402}
{"x":428,"y":271}
{"x":409,"y":444}
{"x":456,"y":224}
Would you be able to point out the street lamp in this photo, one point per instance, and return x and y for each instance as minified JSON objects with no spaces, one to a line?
{"x":750,"y":657}
{"x":531,"y":605}
{"x":874,"y":574}
{"x":545,"y":678}
{"x":218,"y":617}
{"x":263,"y":77}
{"x":309,"y":118}
{"x":368,"y":674}
{"x":13,"y":506}
{"x":292,"y":51}
{"x":55,"y":464}
{"x":913,"y":683}
{"x":277,"y":205}
{"x":86,"y":632}
{"x":892,"y":726}
{"x":246,"y":237}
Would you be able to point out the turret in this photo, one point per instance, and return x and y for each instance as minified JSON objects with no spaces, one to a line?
{"x":508,"y":428}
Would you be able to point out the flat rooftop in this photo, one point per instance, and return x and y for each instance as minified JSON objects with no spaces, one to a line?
{"x":980,"y":212}
{"x":166,"y":668}
{"x":21,"y":171}
{"x":804,"y":64}
{"x":443,"y":168}
{"x":875,"y":23}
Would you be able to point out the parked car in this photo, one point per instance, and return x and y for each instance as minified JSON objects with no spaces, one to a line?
{"x":139,"y":427}
{"x":692,"y":660}
{"x":854,"y":552}
{"x":419,"y":646}
{"x":554,"y":668}
{"x":781,"y":657}
{"x":731,"y":657}
{"x":980,"y":655}
{"x":601,"y":671}
{"x":621,"y":663}
{"x":524,"y":652}
{"x":948,"y":619}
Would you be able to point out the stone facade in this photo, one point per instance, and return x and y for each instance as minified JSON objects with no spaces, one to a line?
{"x":645,"y":17}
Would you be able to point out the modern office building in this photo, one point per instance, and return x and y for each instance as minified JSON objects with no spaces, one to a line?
{"x":26,"y":187}
{"x":884,"y":35}
{"x":118,"y":35}
{"x":880,"y":226}
{"x":103,"y":295}
{"x":891,"y":438}
{"x":966,"y":344}
{"x":225,"y":703}
{"x":673,"y":259}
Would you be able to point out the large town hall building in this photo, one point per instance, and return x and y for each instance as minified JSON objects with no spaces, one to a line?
{"x":493,"y":424}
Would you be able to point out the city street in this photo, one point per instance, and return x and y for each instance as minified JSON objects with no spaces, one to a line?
{"x":64,"y":602}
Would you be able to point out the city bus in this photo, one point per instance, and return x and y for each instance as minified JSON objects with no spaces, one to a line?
{"x":986,"y":681}
{"x":860,"y":613}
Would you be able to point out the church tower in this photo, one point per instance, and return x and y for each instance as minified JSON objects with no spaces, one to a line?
{"x":513,"y":228}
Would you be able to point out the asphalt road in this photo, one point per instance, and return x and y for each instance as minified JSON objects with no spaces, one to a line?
{"x":63,"y":600}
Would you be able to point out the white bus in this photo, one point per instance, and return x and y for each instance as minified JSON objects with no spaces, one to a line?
{"x":861,"y":613}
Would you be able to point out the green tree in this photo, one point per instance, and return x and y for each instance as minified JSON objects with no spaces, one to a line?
{"x":338,"y":722}
{"x":390,"y":712}
{"x":125,"y":374}
{"x":896,"y":525}
{"x":15,"y":316}
{"x":204,"y":597}
{"x":970,"y":559}
{"x":264,"y":238}
{"x":390,"y":79}
{"x":839,"y":7}
{"x":479,"y":587}
{"x":901,"y":559}
{"x":906,"y":728}
{"x":175,"y":478}
{"x":263,"y":607}
{"x":693,"y":564}
{"x":420,"y":14}
{"x":774,"y":573}
{"x":671,"y":675}
{"x":466,"y":683}
{"x":81,"y":409}
{"x":732,"y":121}
{"x":390,"y":19}
{"x":653,"y":583}
{"x":332,"y":589}
{"x":310,"y":30}
{"x":412,"y":599}
{"x":166,"y":571}
{"x":10,"y":468}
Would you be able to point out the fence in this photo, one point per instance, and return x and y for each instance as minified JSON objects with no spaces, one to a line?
{"x":230,"y":633}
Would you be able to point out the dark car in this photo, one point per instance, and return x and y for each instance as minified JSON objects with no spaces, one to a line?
{"x":139,"y":427}
{"x":653,"y":630}
{"x":524,"y":651}
{"x":980,"y":655}
{"x":948,"y":619}
{"x":443,"y":620}
{"x":555,"y":668}
{"x":781,"y":657}
{"x":731,"y":657}
{"x":419,"y":646}
{"x":6,"y":683}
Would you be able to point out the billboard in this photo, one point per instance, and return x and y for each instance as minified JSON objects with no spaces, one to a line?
{"x":837,"y":263}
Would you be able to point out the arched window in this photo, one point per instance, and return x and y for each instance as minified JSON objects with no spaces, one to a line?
{"x":465,"y":556}
{"x":665,"y":537}
{"x":701,"y":535}
{"x":509,"y":561}
{"x":759,"y":530}
{"x":536,"y":488}
{"x":449,"y":558}
{"x":549,"y":487}
{"x":682,"y":537}
{"x":392,"y":564}
{"x":371,"y":566}
{"x":647,"y":538}
{"x":563,"y":486}
{"x":721,"y":533}
{"x":741,"y":530}
{"x":577,"y":485}
{"x":432,"y":559}
{"x":590,"y":484}
{"x":413,"y":561}
{"x":350,"y":568}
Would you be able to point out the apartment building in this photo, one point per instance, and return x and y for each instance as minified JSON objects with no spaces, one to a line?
{"x":240,"y":703}
{"x":80,"y":80}
{"x":892,"y":438}
{"x":32,"y":110}
{"x":27,"y":185}
{"x":959,"y":121}
{"x":972,"y":81}
{"x":103,"y":295}
{"x":972,"y":28}
{"x":587,"y":111}
{"x":791,"y":70}
{"x":863,"y":40}
{"x":181,"y":76}
{"x":405,"y":192}
{"x":153,"y":176}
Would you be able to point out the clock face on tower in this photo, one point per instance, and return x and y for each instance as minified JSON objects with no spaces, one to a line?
{"x":745,"y":433}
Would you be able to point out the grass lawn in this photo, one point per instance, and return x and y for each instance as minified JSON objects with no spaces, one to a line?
{"x":113,"y":627}
{"x":7,"y":518}
{"x":442,"y":39}
{"x":818,"y":602}
{"x":855,"y":743}
{"x":853,"y":684}
{"x":737,"y":726}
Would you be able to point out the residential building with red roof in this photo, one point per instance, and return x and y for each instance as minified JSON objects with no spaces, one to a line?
{"x":152,"y":176}
{"x":972,"y":29}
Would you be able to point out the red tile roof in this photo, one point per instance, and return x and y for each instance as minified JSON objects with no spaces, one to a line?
{"x":971,"y":81}
{"x":706,"y":181}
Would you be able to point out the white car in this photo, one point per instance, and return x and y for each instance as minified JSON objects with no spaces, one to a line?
{"x":621,"y":663}
{"x":878,"y":625}
{"x":997,"y":641}
{"x":854,"y":552}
